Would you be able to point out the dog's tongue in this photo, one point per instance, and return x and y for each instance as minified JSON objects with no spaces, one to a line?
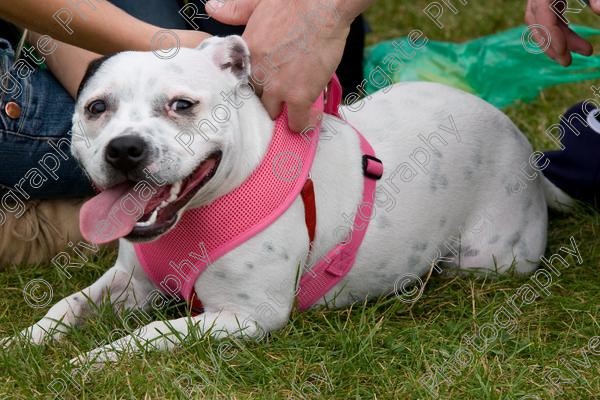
{"x":96,"y":222}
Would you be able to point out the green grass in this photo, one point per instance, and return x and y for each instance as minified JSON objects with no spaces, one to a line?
{"x":374,"y":351}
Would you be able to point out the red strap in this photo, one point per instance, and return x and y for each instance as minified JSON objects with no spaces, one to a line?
{"x":332,"y":98}
{"x":195,"y":305}
{"x":310,"y":208}
{"x":333,"y":267}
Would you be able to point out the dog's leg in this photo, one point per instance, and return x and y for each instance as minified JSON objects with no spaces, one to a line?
{"x":165,"y":335}
{"x":246,"y":293}
{"x":121,"y":284}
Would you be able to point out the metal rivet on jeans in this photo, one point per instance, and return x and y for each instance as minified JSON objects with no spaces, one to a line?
{"x":12,"y":109}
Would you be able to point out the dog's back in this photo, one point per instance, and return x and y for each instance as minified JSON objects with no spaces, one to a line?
{"x":459,"y":187}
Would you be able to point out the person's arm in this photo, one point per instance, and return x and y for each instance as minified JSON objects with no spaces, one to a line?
{"x":299,"y":43}
{"x":547,"y":23}
{"x":105,"y":29}
{"x":66,"y":62}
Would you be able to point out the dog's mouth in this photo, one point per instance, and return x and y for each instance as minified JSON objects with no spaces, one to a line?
{"x":161,"y":213}
{"x":138,"y":211}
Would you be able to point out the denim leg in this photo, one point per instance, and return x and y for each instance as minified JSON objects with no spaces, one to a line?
{"x":34,"y":141}
{"x":576,"y":168}
{"x":163,"y":13}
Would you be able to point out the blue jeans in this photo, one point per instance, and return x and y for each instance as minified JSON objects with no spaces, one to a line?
{"x":28,"y":158}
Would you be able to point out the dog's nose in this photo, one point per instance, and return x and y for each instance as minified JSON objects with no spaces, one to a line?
{"x":126,"y":153}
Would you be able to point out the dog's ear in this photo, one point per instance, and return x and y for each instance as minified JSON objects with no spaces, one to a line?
{"x":229,"y":53}
{"x":92,"y":68}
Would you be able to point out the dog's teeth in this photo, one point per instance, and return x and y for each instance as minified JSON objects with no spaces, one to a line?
{"x":150,"y":220}
{"x":175,"y":188}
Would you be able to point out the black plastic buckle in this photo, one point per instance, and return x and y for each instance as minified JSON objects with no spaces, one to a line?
{"x":365,"y":165}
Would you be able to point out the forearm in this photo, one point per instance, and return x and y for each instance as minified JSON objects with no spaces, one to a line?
{"x":105,"y":29}
{"x":66,"y":62}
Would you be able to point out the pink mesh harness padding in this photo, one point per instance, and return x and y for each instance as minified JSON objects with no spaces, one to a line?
{"x":175,"y":261}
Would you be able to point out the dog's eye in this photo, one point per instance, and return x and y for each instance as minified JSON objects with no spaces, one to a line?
{"x":96,"y":107}
{"x":180,"y":105}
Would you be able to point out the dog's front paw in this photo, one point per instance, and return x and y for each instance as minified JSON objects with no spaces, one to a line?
{"x":34,"y":335}
{"x":97,"y":358}
{"x":39,"y":335}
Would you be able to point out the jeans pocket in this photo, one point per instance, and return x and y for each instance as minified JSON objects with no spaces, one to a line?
{"x":33,"y":117}
{"x":33,"y":103}
{"x":15,"y":89}
{"x":6,"y":57}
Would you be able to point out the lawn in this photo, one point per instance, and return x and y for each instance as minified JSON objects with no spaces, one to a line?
{"x":383,"y":350}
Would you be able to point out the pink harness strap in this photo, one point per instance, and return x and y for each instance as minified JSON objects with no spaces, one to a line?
{"x":175,"y":261}
{"x":331,"y":269}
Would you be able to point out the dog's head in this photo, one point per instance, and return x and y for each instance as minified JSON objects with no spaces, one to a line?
{"x":154,"y":135}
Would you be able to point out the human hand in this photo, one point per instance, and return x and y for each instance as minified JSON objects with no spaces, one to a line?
{"x":550,"y":15}
{"x":292,"y":62}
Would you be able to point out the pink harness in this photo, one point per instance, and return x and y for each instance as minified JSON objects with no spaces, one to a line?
{"x":175,"y":261}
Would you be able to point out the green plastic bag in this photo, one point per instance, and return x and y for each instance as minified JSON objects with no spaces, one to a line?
{"x":497,"y":68}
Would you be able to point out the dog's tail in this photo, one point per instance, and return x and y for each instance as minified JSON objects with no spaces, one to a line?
{"x":556,"y":198}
